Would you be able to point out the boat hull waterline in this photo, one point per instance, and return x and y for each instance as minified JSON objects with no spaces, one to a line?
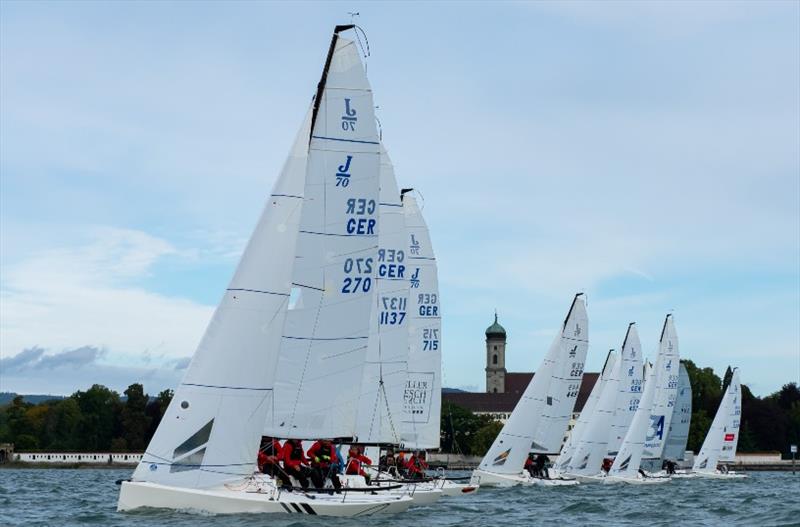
{"x":135,"y":495}
{"x":491,"y":479}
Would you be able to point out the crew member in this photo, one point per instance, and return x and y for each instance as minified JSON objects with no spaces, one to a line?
{"x":607,"y":462}
{"x":269,"y":455}
{"x":355,"y":459}
{"x":388,"y":463}
{"x":295,"y":463}
{"x":530,"y":466}
{"x":416,"y":465}
{"x":541,"y":466}
{"x":324,"y":464}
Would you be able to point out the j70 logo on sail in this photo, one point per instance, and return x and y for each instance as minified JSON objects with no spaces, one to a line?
{"x":349,"y":118}
{"x":343,"y":173}
{"x":414,"y":247}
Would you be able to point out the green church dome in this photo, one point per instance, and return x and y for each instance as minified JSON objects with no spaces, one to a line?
{"x":496,"y":330}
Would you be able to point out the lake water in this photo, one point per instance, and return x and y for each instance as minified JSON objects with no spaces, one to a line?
{"x":66,"y":497}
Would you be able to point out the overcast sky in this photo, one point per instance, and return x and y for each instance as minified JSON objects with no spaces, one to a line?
{"x":644,"y":153}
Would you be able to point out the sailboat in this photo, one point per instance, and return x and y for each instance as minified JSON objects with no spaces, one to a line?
{"x":422,"y":399}
{"x":627,"y":462}
{"x":503,"y":463}
{"x":263,"y":365}
{"x":723,"y":436}
{"x":663,"y":410}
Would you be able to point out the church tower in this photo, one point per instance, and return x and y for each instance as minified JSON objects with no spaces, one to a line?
{"x":495,"y":358}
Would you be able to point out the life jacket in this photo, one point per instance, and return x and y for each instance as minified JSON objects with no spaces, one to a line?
{"x":292,"y":454}
{"x":272,"y":448}
{"x":354,"y":464}
{"x":297,"y":451}
{"x":322,"y":455}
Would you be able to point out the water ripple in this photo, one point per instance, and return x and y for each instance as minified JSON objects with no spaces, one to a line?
{"x":66,"y":497}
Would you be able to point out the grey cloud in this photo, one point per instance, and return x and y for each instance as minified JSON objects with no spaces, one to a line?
{"x":22,"y":359}
{"x":182,"y":363}
{"x":77,"y":357}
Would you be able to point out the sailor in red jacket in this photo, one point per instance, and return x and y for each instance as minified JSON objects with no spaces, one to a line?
{"x":324,"y":464}
{"x":530,"y":466}
{"x":269,"y":455}
{"x":416,"y":465}
{"x":354,"y":460}
{"x":295,"y":462}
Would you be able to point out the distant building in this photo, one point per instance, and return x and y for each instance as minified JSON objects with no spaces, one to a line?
{"x":504,"y":388}
{"x":6,"y":452}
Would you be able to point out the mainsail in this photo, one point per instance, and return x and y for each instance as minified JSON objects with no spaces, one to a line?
{"x":327,"y":329}
{"x":666,"y":390}
{"x":629,"y":389}
{"x":593,"y":443}
{"x":509,"y":450}
{"x":422,"y":397}
{"x":723,"y":436}
{"x":568,"y":451}
{"x":211,"y":430}
{"x":678,"y":435}
{"x":562,"y":392}
{"x":380,"y":407}
{"x":629,"y":457}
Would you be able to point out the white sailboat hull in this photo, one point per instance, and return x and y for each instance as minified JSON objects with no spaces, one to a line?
{"x":638,"y":480}
{"x":423,"y":493}
{"x":135,"y":495}
{"x":583,"y":478}
{"x":451,"y":488}
{"x":492,"y":479}
{"x":720,"y":475}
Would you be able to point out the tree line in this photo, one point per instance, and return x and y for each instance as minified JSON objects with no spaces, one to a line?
{"x":99,"y":419}
{"x":95,"y":420}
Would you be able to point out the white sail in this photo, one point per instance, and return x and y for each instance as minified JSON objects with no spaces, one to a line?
{"x":568,"y":451}
{"x":666,"y":390}
{"x":723,"y":436}
{"x":562,"y":391}
{"x":629,"y":458}
{"x":327,"y":330}
{"x":629,"y":390}
{"x":211,"y":430}
{"x":593,"y":443}
{"x":422,"y":399}
{"x":678,"y":434}
{"x":380,"y":407}
{"x":509,"y":450}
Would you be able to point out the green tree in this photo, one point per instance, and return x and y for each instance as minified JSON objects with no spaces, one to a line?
{"x":134,"y":420}
{"x":63,"y":424}
{"x":485,"y":436}
{"x":99,"y":408}
{"x":460,"y":429}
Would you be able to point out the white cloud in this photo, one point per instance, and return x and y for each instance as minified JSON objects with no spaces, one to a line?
{"x":68,"y":297}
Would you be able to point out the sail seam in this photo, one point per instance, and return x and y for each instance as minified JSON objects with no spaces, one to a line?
{"x":345,"y":140}
{"x":227,"y":387}
{"x":256,"y":291}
